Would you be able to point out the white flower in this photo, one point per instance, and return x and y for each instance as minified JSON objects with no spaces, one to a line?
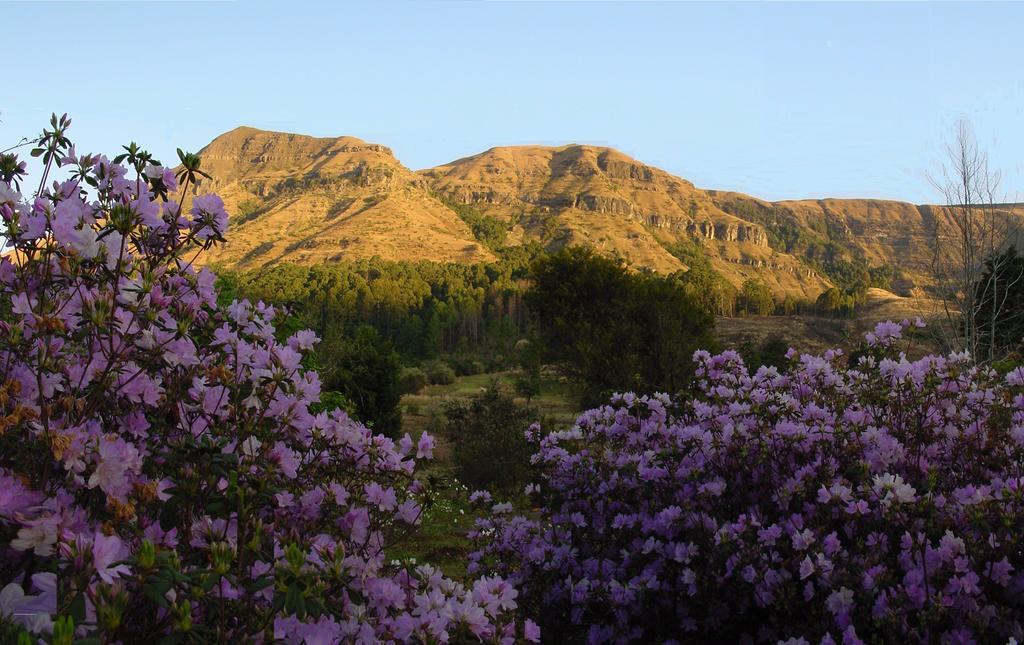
{"x":40,"y":538}
{"x":33,"y":612}
{"x":251,"y":447}
{"x":840,"y":601}
{"x":9,"y":195}
{"x":891,"y":488}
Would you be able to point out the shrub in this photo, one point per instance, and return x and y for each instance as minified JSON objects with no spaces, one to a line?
{"x":440,"y":374}
{"x":365,"y":369}
{"x":881,"y":500}
{"x":466,"y":365}
{"x":412,"y":380}
{"x":160,"y":471}
{"x":488,"y":432}
{"x":755,"y":299}
{"x":610,"y":329}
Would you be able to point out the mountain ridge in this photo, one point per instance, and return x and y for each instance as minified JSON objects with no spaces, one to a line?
{"x":297,"y":198}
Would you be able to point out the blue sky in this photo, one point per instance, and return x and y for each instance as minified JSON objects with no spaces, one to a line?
{"x":776,"y":100}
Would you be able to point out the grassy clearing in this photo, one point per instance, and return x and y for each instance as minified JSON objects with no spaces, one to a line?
{"x":441,"y":538}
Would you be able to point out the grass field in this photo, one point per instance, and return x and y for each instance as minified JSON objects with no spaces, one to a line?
{"x":441,"y":538}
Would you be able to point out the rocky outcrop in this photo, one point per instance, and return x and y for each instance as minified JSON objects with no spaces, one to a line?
{"x":729,"y":232}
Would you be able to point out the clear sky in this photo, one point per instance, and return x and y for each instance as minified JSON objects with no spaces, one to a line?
{"x":776,"y":100}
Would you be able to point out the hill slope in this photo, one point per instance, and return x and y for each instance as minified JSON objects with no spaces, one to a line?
{"x":306,"y":200}
{"x":301,"y":199}
{"x":602,"y":198}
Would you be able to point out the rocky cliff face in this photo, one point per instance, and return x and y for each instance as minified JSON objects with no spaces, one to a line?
{"x":599,"y":196}
{"x":305,"y":199}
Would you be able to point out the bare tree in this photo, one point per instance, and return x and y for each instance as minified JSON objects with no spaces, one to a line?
{"x":971,"y":232}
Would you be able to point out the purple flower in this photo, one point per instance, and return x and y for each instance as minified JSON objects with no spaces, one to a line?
{"x":209,"y":219}
{"x":106,"y":550}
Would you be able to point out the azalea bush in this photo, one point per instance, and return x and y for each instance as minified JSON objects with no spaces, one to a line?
{"x":869,"y":499}
{"x":161,"y":473}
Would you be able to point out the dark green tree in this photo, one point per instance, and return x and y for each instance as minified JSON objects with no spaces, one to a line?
{"x":999,"y":306}
{"x":613,"y":330}
{"x":365,"y":370}
{"x":490,"y":450}
{"x":755,"y":299}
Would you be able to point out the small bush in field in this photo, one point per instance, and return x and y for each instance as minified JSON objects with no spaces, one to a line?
{"x":412,"y":380}
{"x":488,"y":432}
{"x":440,"y":374}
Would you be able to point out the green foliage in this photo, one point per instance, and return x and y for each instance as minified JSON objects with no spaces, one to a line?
{"x":330,"y":401}
{"x":837,"y":302}
{"x":466,"y":365}
{"x":770,"y":352}
{"x":702,"y":283}
{"x":999,"y":296}
{"x":364,"y":369}
{"x":440,"y":374}
{"x":412,"y":380}
{"x":425,"y":309}
{"x":248,"y":209}
{"x":613,"y":330}
{"x":529,"y":355}
{"x":755,"y":299}
{"x":881,"y":277}
{"x":488,"y":230}
{"x":490,"y":449}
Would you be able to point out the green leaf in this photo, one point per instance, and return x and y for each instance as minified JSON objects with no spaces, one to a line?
{"x":294,"y":603}
{"x":156,"y":588}
{"x":315,"y":608}
{"x":77,"y":608}
{"x":260,"y":584}
{"x":278,"y":604}
{"x":210,"y":581}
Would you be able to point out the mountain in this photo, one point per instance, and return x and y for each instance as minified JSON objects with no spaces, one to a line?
{"x":599,"y":197}
{"x":301,"y":199}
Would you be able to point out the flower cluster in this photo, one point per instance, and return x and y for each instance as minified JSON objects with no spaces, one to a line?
{"x":161,"y":471}
{"x":876,"y":497}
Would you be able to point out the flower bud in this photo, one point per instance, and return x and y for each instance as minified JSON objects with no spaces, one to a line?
{"x":63,"y":631}
{"x":221,"y":556}
{"x":147,"y":555}
{"x":110,"y":606}
{"x":182,"y":616}
{"x":295,"y":556}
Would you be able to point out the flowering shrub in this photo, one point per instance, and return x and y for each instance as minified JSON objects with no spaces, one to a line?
{"x":880,"y":500}
{"x":160,"y":470}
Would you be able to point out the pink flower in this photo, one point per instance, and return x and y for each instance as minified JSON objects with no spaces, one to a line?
{"x":15,"y":497}
{"x":117,"y":458}
{"x":383,"y":498}
{"x":286,"y":459}
{"x":39,"y":535}
{"x":425,"y":447}
{"x":409,"y":512}
{"x":531,"y":631}
{"x":840,"y":601}
{"x":106,"y":550}
{"x":209,"y":219}
{"x":303,"y":340}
